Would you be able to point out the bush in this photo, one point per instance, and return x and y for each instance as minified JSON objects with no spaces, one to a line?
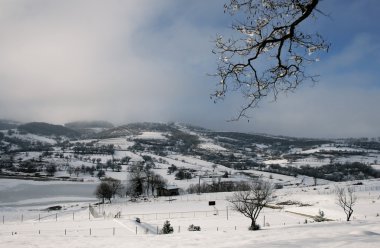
{"x":254,"y":228}
{"x":101,"y":174}
{"x":193,"y":228}
{"x":167,"y":228}
{"x":278,"y":186}
{"x":320,"y":217}
{"x":182,"y":174}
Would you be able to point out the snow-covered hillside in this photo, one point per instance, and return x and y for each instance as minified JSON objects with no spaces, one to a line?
{"x":302,"y":170}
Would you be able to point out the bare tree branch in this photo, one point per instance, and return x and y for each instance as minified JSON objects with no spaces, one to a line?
{"x":251,"y":202}
{"x":346,"y":199}
{"x":271,"y":53}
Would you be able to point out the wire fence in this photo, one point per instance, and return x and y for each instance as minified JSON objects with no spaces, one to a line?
{"x":358,"y":188}
{"x":118,"y":231}
{"x":148,"y":224}
{"x":84,"y":223}
{"x":112,"y":231}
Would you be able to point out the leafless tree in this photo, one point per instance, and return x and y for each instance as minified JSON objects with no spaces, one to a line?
{"x":108,"y":188}
{"x":157,"y":181}
{"x":251,"y":202}
{"x":270,"y":51}
{"x":346,"y":199}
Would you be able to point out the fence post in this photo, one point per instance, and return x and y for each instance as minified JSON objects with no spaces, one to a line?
{"x":3,"y":219}
{"x":136,"y":230}
{"x":113,"y":231}
{"x":264,"y":220}
{"x":65,"y":232}
{"x":157,"y":229}
{"x":90,"y":231}
{"x":227,"y":212}
{"x":39,"y":231}
{"x":179,"y":229}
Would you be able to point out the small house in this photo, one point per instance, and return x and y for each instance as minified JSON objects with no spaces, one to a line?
{"x":169,"y":190}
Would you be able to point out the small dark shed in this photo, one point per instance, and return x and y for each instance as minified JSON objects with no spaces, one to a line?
{"x":169,"y":190}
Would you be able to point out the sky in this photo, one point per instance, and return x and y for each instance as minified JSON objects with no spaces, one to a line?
{"x":144,"y":60}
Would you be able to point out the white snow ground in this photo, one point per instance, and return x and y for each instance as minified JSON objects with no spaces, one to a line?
{"x":283,"y":227}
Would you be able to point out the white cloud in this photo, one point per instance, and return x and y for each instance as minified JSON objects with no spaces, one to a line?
{"x":147,"y":61}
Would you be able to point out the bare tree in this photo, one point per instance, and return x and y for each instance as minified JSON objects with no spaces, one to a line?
{"x":346,"y":199}
{"x":271,"y":51}
{"x":251,"y":202}
{"x":108,"y":188}
{"x":157,"y":181}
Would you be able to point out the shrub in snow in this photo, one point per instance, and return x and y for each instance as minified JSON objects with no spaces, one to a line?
{"x":193,"y":228}
{"x":254,"y":228}
{"x":320,"y":217}
{"x":167,"y":228}
{"x":278,"y":186}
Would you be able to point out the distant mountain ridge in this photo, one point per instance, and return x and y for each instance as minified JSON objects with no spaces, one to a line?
{"x":88,"y":124}
{"x":46,"y":129}
{"x":8,"y":124}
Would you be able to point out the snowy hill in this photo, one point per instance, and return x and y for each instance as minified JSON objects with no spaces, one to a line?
{"x":193,"y":160}
{"x":87,"y":128}
{"x":42,"y":128}
{"x":217,"y":152}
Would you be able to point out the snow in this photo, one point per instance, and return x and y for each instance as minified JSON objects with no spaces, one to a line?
{"x":33,"y":137}
{"x":119,"y":143}
{"x":282,"y":227}
{"x":27,"y":155}
{"x":152,"y":136}
{"x":132,"y":155}
{"x":211,"y":146}
{"x":317,"y":235}
{"x":332,"y":148}
{"x":276,"y":161}
{"x":261,"y":146}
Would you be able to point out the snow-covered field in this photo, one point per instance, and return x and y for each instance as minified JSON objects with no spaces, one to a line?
{"x":220,"y":226}
{"x":152,"y":135}
{"x":25,"y":221}
{"x":119,"y":143}
{"x":355,"y":234}
{"x":211,"y":146}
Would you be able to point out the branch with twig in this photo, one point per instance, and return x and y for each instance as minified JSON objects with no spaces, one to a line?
{"x":272,"y":52}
